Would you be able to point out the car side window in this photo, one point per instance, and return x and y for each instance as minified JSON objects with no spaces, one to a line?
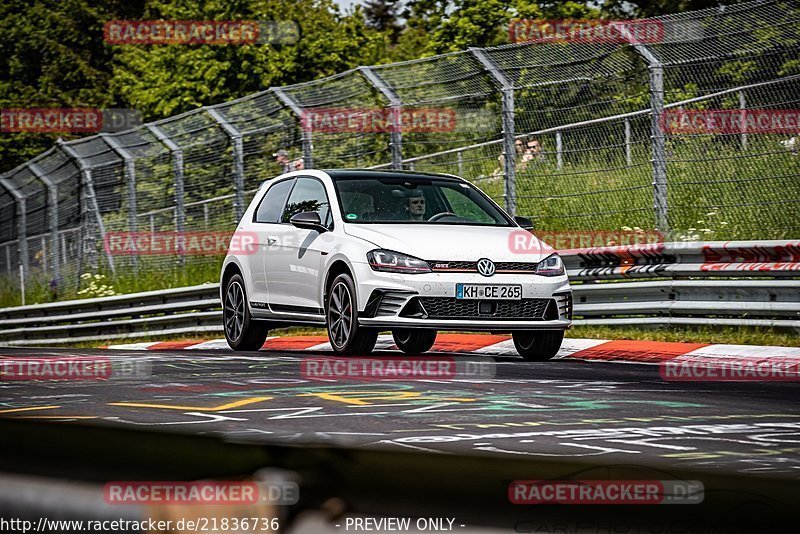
{"x":271,"y":206}
{"x":308,"y":195}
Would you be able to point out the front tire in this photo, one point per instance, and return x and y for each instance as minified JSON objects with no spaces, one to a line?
{"x":241,"y":331}
{"x":341,"y":312}
{"x":538,"y":346}
{"x":414,"y":341}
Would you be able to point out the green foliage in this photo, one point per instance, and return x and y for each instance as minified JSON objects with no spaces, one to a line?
{"x":52,"y":55}
{"x":164,"y":80}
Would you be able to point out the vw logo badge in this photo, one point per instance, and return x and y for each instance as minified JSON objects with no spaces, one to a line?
{"x":485,"y":267}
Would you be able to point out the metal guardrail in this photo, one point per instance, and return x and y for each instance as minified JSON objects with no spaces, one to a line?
{"x":747,"y":283}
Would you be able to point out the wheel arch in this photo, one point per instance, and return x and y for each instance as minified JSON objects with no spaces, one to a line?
{"x":227,"y":273}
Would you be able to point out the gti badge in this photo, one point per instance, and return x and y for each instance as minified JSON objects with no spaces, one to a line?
{"x":485,"y":267}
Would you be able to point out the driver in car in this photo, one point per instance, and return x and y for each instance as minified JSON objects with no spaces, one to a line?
{"x":415,"y":205}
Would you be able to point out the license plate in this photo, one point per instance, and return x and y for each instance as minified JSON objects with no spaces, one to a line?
{"x":488,"y":292}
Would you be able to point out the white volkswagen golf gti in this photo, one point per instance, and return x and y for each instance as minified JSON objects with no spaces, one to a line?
{"x":367,"y":251}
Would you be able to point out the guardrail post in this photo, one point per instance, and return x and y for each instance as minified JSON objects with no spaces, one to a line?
{"x":52,"y":215}
{"x":509,"y":150}
{"x":743,"y":109}
{"x":22,"y":231}
{"x":658,"y":140}
{"x":89,"y":204}
{"x":396,"y":106}
{"x":177,"y":168}
{"x":238,"y":160}
{"x":305,"y":129}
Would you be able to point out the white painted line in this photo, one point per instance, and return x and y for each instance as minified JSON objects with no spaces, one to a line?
{"x":134,"y":346}
{"x":571,"y":345}
{"x":385,"y":342}
{"x":214,"y":344}
{"x":739,"y":352}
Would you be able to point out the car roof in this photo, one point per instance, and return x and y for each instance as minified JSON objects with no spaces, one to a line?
{"x":382,"y":174}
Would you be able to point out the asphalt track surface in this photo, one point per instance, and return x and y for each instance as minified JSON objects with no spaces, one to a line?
{"x":611,"y":413}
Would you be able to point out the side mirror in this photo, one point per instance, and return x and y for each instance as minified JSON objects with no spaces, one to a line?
{"x":524,"y":222}
{"x":308,"y":220}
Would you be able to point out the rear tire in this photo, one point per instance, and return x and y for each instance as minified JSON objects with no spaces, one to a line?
{"x":341,"y":312}
{"x":538,"y":346}
{"x":241,"y":331}
{"x":414,"y":341}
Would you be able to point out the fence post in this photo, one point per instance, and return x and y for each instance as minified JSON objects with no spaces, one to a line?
{"x":509,"y":150}
{"x":22,"y":229}
{"x":628,"y":157}
{"x":559,"y":151}
{"x":52,"y":214}
{"x":177,"y":169}
{"x":658,"y":140}
{"x":743,"y":109}
{"x":130,"y":181}
{"x":89,"y":204}
{"x":305,"y":129}
{"x":396,"y":106}
{"x":238,"y":160}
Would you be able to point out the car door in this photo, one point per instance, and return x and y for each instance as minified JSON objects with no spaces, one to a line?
{"x":294,"y":265}
{"x":265,"y":223}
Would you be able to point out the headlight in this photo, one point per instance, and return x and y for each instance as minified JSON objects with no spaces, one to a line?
{"x":394,"y":262}
{"x":550,"y":266}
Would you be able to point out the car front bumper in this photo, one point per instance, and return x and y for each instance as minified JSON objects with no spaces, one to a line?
{"x":384,"y":300}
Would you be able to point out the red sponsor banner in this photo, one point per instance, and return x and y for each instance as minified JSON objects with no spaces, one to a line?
{"x":180,"y":32}
{"x":379,"y":368}
{"x":710,"y":369}
{"x":731,"y":121}
{"x":196,"y":493}
{"x":625,"y":492}
{"x":547,"y":242}
{"x":378,"y":120}
{"x":180,"y":243}
{"x":70,"y":368}
{"x":586,"y":31}
{"x":51,"y":120}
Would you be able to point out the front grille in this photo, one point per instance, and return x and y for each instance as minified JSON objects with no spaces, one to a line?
{"x":452,"y":308}
{"x":500,"y":266}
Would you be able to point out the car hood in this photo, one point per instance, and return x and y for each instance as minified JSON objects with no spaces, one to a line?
{"x":454,"y":243}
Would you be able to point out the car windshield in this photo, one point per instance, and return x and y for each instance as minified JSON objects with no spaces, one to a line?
{"x":415,"y":199}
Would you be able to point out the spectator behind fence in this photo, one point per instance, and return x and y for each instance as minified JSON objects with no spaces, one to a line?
{"x":287,"y":165}
{"x":527,"y":151}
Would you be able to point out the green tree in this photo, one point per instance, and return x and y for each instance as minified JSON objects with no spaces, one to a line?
{"x":52,"y":55}
{"x":162,"y":80}
{"x":383,"y":16}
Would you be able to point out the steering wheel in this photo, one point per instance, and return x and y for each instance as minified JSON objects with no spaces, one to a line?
{"x":442,"y":215}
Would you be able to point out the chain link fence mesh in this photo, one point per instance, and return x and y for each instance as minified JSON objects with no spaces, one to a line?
{"x":588,"y":154}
